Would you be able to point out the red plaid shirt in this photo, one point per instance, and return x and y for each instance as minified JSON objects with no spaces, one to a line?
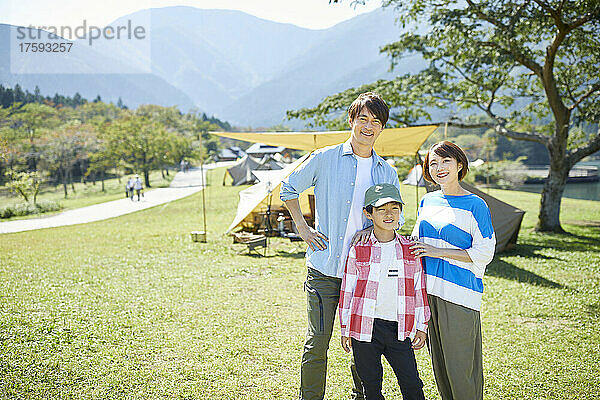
{"x":358,"y":295}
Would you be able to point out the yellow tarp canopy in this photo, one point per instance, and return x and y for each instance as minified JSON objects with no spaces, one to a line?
{"x":392,"y":142}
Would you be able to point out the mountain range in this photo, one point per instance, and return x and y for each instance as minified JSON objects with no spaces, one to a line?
{"x":238,"y":67}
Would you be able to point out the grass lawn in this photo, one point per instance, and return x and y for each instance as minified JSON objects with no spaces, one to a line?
{"x":131,"y":308}
{"x":84,"y":195}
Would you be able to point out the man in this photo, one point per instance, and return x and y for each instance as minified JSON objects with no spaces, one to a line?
{"x":340,"y":175}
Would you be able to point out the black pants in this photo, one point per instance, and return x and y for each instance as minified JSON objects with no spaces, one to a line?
{"x":400,"y":355}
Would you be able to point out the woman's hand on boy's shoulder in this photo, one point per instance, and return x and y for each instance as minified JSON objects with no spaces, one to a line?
{"x":361,"y":236}
{"x":346,"y":344}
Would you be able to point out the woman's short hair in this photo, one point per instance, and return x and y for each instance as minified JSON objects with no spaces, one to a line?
{"x":447,"y":149}
{"x":374,"y":103}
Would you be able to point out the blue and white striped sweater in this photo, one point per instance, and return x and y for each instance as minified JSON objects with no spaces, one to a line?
{"x":456,"y":222}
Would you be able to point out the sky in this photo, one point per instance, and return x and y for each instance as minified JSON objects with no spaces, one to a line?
{"x":312,"y":14}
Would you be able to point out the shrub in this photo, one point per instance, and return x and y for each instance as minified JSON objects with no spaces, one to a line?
{"x":21,"y":209}
{"x":498,"y":174}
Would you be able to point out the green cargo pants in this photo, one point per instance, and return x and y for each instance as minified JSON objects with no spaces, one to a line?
{"x":454,"y":339}
{"x":322,"y":294}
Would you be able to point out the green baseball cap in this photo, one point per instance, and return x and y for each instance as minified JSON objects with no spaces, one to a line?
{"x":382,"y":193}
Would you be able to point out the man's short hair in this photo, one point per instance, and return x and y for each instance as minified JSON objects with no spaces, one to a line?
{"x":446,"y":149}
{"x":374,"y":103}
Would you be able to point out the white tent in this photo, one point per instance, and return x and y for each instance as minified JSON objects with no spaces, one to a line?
{"x":415,"y":176}
{"x":257,"y":198}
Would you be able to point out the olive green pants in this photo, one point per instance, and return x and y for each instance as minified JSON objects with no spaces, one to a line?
{"x":454,"y":339}
{"x":322,"y":294}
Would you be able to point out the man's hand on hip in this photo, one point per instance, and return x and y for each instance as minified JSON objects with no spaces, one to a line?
{"x":315,"y":239}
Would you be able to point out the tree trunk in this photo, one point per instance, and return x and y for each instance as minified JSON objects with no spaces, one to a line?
{"x":102,"y":177}
{"x":549,"y":216}
{"x":64,"y":181}
{"x":71,"y":179}
{"x":147,"y":178}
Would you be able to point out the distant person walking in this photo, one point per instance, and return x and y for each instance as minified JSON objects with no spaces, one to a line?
{"x":129,"y":188}
{"x":182,"y":165}
{"x":137,"y":185}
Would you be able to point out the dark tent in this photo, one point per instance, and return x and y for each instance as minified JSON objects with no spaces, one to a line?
{"x":506,"y":219}
{"x":241,"y":172}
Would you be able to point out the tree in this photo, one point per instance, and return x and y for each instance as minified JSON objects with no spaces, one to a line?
{"x":531,"y":66}
{"x":98,"y":156}
{"x":62,"y":149}
{"x":25,"y":184}
{"x":138,"y":142}
{"x":198,"y":126}
{"x":28,"y":122}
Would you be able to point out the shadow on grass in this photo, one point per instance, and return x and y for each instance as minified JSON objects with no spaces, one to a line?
{"x":528,"y":251}
{"x":296,"y":255}
{"x":502,"y":269}
{"x":273,"y":253}
{"x":593,"y":309}
{"x":531,"y":246}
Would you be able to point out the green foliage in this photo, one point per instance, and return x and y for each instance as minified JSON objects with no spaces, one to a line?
{"x":77,"y":143}
{"x":22,"y":209}
{"x":25,"y":184}
{"x":10,"y":96}
{"x":403,"y":166}
{"x":203,"y":145}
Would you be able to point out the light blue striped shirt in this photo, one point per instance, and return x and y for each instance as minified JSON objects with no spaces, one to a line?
{"x":456,"y":222}
{"x":332,"y":171}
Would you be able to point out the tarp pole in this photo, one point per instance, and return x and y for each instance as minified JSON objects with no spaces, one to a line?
{"x":203,"y":185}
{"x":417,"y":184}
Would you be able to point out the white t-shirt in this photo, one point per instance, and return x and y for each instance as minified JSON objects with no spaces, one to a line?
{"x":386,"y":306}
{"x":356,"y":219}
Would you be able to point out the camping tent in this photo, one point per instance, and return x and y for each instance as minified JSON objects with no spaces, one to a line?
{"x":259,"y":197}
{"x":392,"y":142}
{"x":242,"y":174}
{"x":415,"y":176}
{"x":506,"y":219}
{"x":260,"y":149}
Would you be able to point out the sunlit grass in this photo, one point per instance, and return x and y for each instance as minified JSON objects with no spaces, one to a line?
{"x":132,"y":308}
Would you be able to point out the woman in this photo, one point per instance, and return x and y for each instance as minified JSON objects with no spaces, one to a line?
{"x":456,"y":242}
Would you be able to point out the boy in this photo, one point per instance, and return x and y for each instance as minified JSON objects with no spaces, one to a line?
{"x":383,"y":303}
